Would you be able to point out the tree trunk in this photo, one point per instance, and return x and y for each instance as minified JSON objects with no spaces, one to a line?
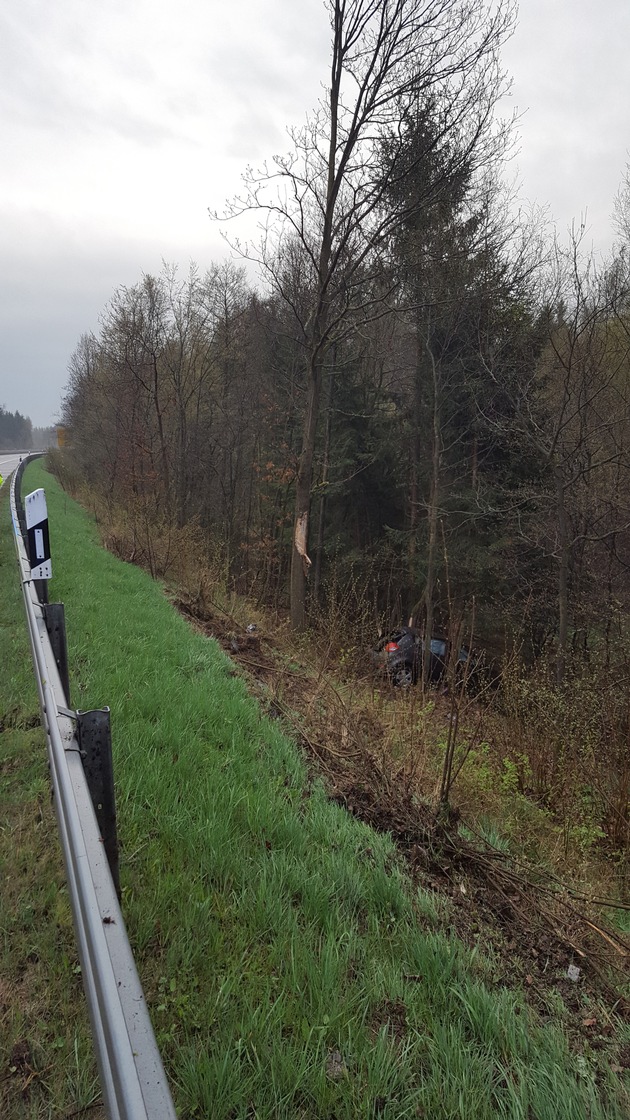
{"x":300,"y":561}
{"x":166,"y":476}
{"x":317,"y":568}
{"x":432,"y":519}
{"x":416,"y":450}
{"x":563,"y":578}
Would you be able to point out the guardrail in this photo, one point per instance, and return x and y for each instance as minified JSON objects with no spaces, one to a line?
{"x":132,"y":1076}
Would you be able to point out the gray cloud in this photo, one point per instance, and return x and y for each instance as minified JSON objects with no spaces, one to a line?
{"x":569,"y":62}
{"x":50,"y":296}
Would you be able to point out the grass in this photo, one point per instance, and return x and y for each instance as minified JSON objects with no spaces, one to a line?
{"x":292,"y":970}
{"x":47,"y":1066}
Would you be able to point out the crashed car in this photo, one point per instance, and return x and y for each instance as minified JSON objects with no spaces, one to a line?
{"x":400,"y":655}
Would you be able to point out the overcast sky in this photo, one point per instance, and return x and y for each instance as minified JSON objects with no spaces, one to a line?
{"x":122,"y":121}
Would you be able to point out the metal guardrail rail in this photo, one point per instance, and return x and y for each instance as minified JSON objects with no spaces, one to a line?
{"x":132,"y":1076}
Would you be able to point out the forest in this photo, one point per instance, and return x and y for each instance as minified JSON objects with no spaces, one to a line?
{"x":419,"y":405}
{"x":16,"y":431}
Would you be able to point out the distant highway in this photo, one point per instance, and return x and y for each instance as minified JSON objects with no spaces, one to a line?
{"x":9,"y":461}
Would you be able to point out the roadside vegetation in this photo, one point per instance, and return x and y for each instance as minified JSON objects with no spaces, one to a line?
{"x":421,"y":412}
{"x":292,"y":964}
{"x":47,"y":1066}
{"x":346,"y":899}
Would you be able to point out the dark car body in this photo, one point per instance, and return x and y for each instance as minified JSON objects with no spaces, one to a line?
{"x":400,"y":656}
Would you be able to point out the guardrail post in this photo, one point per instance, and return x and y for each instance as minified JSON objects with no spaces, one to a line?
{"x":41,"y":589}
{"x":55,"y":619}
{"x":95,"y":741}
{"x":131,"y":1071}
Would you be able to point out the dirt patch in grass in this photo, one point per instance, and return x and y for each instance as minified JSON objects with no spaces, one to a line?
{"x":541,"y":937}
{"x":390,"y":1015}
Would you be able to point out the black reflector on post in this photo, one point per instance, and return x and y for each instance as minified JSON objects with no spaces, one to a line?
{"x":95,"y":742}
{"x":55,"y":619}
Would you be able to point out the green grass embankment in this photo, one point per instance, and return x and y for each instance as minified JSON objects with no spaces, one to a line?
{"x":47,"y":1068}
{"x":291,"y":969}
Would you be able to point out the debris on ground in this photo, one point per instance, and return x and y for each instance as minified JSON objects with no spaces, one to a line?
{"x":534,"y":926}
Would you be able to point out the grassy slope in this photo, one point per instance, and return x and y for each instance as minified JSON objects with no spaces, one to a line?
{"x":291,"y":969}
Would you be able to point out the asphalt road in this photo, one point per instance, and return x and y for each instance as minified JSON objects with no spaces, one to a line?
{"x":9,"y":461}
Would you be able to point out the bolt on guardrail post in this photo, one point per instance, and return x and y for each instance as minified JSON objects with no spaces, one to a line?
{"x":95,"y":741}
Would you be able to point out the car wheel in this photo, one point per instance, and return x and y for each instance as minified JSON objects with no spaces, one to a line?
{"x":403,"y":677}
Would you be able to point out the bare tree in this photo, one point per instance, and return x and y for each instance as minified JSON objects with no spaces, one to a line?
{"x":573,"y":408}
{"x":328,"y":195}
{"x":621,"y":213}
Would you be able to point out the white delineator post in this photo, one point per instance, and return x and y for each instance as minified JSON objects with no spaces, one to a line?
{"x":38,"y":536}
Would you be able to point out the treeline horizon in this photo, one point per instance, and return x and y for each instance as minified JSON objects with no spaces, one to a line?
{"x":18,"y":434}
{"x":186,"y":410}
{"x":16,"y":431}
{"x":424,"y":408}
